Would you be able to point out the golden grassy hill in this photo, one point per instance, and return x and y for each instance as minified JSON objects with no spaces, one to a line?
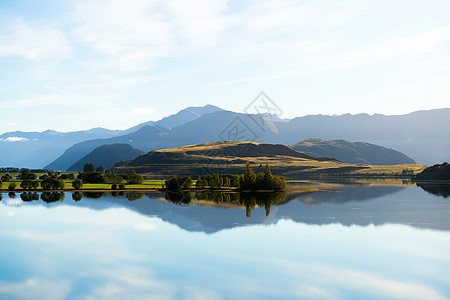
{"x":230,"y":158}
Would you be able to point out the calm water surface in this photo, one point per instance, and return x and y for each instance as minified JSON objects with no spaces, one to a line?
{"x":350,"y":242}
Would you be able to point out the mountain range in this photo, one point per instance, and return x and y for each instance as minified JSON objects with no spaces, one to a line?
{"x":422,"y":136}
{"x":353,"y":153}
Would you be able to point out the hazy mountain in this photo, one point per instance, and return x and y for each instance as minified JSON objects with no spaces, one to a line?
{"x":207,"y":128}
{"x":37,"y":149}
{"x":353,"y":153}
{"x":138,"y":140}
{"x":421,"y":135}
{"x":107,"y":155}
{"x":180,"y":118}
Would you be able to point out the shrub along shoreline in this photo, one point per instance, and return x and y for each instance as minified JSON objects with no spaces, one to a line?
{"x":97,"y":181}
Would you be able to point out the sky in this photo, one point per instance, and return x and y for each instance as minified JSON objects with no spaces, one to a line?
{"x":78,"y":64}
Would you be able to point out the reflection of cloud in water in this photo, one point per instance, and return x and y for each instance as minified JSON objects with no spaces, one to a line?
{"x":144,"y":226}
{"x":13,"y":202}
{"x":128,"y":283}
{"x":100,"y":255}
{"x":35,"y":288}
{"x":325,"y":282}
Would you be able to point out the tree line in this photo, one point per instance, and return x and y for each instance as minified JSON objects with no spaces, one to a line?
{"x":56,"y":181}
{"x":247,"y":181}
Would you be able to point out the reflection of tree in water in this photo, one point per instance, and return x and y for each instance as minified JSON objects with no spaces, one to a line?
{"x":94,"y":195}
{"x":28,"y":196}
{"x":217,"y":197}
{"x":266,"y":200}
{"x":132,"y":196}
{"x":248,"y":199}
{"x":77,"y":196}
{"x":436,"y":189}
{"x":178,"y":197}
{"x":12,"y":195}
{"x":50,"y":197}
{"x":118,"y":194}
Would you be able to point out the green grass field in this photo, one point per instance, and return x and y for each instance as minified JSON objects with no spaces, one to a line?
{"x":147,"y":184}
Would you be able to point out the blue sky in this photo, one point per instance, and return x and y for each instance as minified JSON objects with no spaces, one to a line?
{"x":71,"y":65}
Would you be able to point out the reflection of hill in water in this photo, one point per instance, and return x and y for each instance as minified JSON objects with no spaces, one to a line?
{"x":345,"y":194}
{"x":438,"y":189}
{"x":349,"y":205}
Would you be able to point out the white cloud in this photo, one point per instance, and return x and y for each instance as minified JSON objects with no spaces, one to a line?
{"x":399,"y":47}
{"x":133,"y":34}
{"x":14,"y":139}
{"x":11,"y":124}
{"x":32,"y":41}
{"x":200,"y":25}
{"x":287,"y":15}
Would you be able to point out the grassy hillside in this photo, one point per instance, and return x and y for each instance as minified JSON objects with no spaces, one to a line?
{"x":436,"y":172}
{"x":352,"y":152}
{"x":230,"y":157}
{"x":106,"y":155}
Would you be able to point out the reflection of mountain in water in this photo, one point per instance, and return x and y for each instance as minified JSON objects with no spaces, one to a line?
{"x":349,"y":205}
{"x":346,"y":194}
{"x":438,"y":189}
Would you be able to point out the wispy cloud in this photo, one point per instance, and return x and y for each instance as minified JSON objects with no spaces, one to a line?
{"x":135,"y":34}
{"x":34,"y":42}
{"x":13,"y":139}
{"x":405,"y":47}
{"x":35,"y":101}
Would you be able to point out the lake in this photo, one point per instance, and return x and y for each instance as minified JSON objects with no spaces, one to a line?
{"x":359,"y":240}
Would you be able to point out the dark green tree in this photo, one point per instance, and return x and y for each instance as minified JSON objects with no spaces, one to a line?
{"x":77,"y":184}
{"x":89,"y":167}
{"x":67,"y":176}
{"x":249,"y":179}
{"x":268,"y":175}
{"x":6,"y":178}
{"x":175,"y":183}
{"x":92,"y":177}
{"x":29,"y":184}
{"x":52,"y":184}
{"x":114,"y":179}
{"x":27,"y":175}
{"x":201,"y":184}
{"x":133,"y":178}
